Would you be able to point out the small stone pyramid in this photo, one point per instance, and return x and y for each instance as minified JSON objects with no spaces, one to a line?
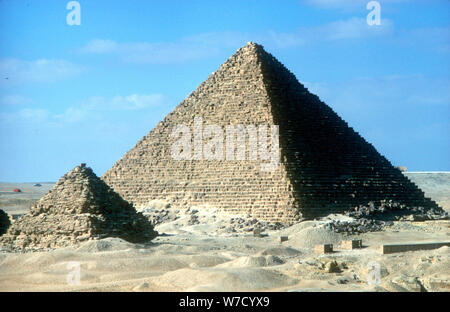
{"x":325,"y":165}
{"x":78,"y":208}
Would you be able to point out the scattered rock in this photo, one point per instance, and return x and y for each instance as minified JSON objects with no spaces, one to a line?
{"x":409,"y":283}
{"x":142,"y":287}
{"x":342,"y":281}
{"x":436,"y":283}
{"x":389,"y":210}
{"x":357,"y":226}
{"x":332,"y":267}
{"x":225,"y":223}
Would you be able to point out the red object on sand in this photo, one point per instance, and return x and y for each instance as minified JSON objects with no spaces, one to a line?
{"x":17,"y":190}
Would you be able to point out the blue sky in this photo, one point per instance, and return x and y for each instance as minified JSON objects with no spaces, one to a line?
{"x":88,"y":93}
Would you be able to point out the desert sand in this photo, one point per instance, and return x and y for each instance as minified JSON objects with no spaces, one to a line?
{"x":203,"y":249}
{"x":20,"y":203}
{"x":202,"y":258}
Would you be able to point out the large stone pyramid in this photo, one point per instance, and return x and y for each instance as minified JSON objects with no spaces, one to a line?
{"x":325,"y":166}
{"x":79,"y":207}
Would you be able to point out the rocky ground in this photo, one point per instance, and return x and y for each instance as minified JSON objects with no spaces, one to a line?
{"x":204,"y":250}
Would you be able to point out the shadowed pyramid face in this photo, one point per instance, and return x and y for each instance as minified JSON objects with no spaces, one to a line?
{"x":324,"y":166}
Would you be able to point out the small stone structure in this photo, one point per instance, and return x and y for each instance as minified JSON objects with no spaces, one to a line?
{"x":283,"y":239}
{"x":325,"y":166}
{"x":79,"y":207}
{"x":352,"y":244}
{"x":323,"y":249}
{"x":393,"y":248}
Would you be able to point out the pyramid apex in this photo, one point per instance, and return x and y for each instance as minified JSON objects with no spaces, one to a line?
{"x":252,"y":44}
{"x":80,"y":168}
{"x":251,"y":49}
{"x":79,"y":173}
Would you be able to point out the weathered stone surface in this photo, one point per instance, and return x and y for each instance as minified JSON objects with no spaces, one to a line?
{"x":326,"y":167}
{"x":78,"y":208}
{"x":4,"y":222}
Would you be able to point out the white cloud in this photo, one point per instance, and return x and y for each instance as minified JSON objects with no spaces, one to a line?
{"x":334,"y":3}
{"x":30,"y":116}
{"x":70,"y":116}
{"x":15,"y":99}
{"x":355,"y":28}
{"x":285,"y":40}
{"x":346,"y":4}
{"x":206,"y":45}
{"x":438,"y":38}
{"x":99,"y":46}
{"x":143,"y":52}
{"x":17,"y":71}
{"x":92,"y":109}
{"x":352,"y":28}
{"x":211,"y":44}
{"x":37,"y":115}
{"x":129,"y":102}
{"x":409,"y":91}
{"x":184,"y":49}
